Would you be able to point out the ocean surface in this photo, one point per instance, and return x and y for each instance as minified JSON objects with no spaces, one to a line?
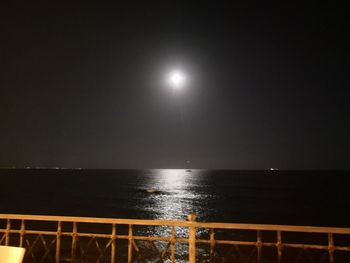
{"x":319,"y":198}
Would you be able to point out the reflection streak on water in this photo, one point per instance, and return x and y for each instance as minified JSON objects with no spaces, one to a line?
{"x":172,"y":198}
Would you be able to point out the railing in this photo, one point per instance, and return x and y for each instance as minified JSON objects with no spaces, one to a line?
{"x":84,"y":239}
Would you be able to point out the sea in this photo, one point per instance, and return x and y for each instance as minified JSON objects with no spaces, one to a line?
{"x":316,"y":198}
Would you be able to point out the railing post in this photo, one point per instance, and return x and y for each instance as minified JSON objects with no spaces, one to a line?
{"x":74,"y":241}
{"x":22,"y":233}
{"x":58,"y":242}
{"x":192,"y":238}
{"x":259,"y":245}
{"x":212,"y":243}
{"x":113,"y":237}
{"x":279,"y":246}
{"x":172,"y":244}
{"x":130,"y":239}
{"x":7,"y":233}
{"x":330,"y":248}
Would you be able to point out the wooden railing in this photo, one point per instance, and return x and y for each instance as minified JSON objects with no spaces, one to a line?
{"x":84,"y":239}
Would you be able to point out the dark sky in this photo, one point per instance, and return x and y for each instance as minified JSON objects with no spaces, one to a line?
{"x":82,"y":85}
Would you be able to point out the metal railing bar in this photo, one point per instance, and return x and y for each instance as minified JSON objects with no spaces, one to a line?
{"x":48,"y":249}
{"x":113,"y":243}
{"x":58,"y":241}
{"x":7,"y":232}
{"x":282,"y":228}
{"x":342,"y":248}
{"x":107,"y":236}
{"x":22,"y":233}
{"x":192,"y":238}
{"x":21,"y":224}
{"x":52,"y":233}
{"x":179,"y":239}
{"x":33,"y":232}
{"x":305,"y":246}
{"x":272,"y":244}
{"x":172,"y":246}
{"x":74,"y":241}
{"x":176,"y":239}
{"x":330,"y":248}
{"x":279,"y":246}
{"x":258,"y":245}
{"x":96,"y":220}
{"x":130,"y":244}
{"x":235,"y":242}
{"x":208,"y":225}
{"x":2,"y":238}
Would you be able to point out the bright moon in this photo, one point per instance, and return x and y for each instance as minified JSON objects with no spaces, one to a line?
{"x":176,"y":79}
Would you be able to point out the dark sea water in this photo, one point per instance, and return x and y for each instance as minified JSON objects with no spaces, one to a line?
{"x":320,"y":198}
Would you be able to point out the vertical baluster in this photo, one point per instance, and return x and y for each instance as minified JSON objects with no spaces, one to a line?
{"x":130,"y":239}
{"x":172,"y":244}
{"x":212,"y":243}
{"x":58,"y":241}
{"x":113,"y":237}
{"x":74,"y":241}
{"x":279,"y":246}
{"x":22,"y":233}
{"x":330,"y":248}
{"x":7,"y":233}
{"x":259,"y":245}
{"x":192,"y":239}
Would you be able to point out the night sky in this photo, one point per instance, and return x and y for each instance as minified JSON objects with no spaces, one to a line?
{"x":82,"y":85}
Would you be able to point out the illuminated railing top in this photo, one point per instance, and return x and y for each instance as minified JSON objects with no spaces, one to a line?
{"x":153,"y":222}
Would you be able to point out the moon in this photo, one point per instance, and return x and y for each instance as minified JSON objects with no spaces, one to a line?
{"x":176,"y":79}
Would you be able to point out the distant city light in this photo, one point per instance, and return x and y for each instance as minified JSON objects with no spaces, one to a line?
{"x":176,"y":79}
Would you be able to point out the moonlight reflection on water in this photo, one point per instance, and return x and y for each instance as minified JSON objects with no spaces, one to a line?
{"x":172,"y":199}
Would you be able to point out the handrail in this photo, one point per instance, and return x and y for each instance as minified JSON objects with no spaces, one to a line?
{"x":149,"y":222}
